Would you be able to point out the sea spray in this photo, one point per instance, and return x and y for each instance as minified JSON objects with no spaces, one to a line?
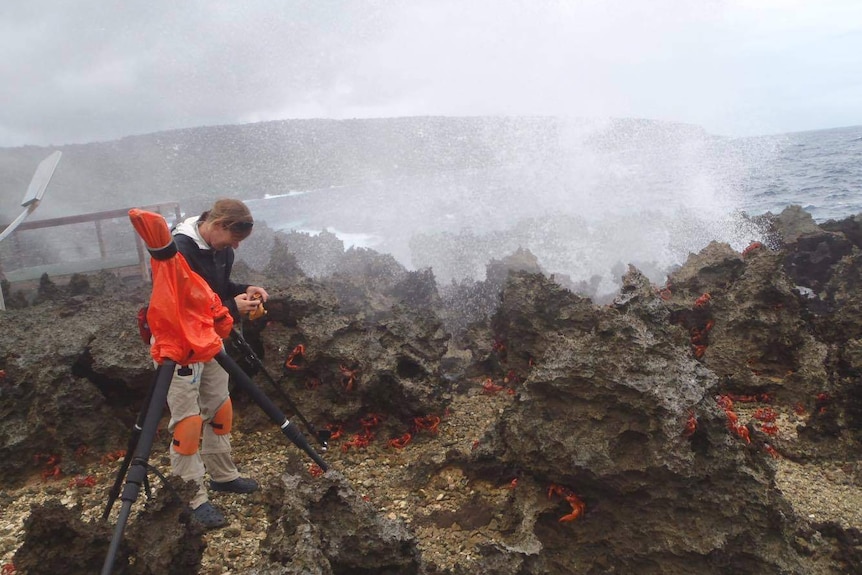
{"x":586,"y":197}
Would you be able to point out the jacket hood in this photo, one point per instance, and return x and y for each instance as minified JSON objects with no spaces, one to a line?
{"x":189,"y":227}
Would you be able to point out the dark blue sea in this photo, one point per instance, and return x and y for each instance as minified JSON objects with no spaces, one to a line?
{"x":588,"y":202}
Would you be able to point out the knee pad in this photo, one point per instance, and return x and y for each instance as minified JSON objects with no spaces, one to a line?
{"x":187,"y":435}
{"x":223,"y":418}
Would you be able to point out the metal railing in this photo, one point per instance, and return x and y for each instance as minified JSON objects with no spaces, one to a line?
{"x":81,"y":243}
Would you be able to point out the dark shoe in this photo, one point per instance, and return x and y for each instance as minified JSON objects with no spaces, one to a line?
{"x":238,"y":485}
{"x":207,"y":515}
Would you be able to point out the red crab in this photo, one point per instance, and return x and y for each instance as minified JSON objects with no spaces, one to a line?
{"x":114,"y":456}
{"x":297,"y":353}
{"x":490,"y":388}
{"x":315,"y":470}
{"x":371,"y":421}
{"x":348,"y":377}
{"x":359,"y":440}
{"x":732,"y":418}
{"x":80,"y":481}
{"x":765,"y":414}
{"x":724,"y":401}
{"x":429,"y":422}
{"x":400,"y":442}
{"x":335,"y":430}
{"x":578,"y":506}
{"x":690,"y":425}
{"x":702,"y":301}
{"x":753,"y":246}
{"x":665,"y":293}
{"x":52,"y":473}
{"x":47,"y":459}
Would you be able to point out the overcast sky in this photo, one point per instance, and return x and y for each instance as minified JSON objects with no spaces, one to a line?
{"x":89,"y":70}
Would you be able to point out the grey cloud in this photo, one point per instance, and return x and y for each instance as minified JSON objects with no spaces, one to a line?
{"x":100,"y":70}
{"x":92,"y":70}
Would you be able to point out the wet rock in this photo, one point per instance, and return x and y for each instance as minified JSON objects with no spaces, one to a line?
{"x":851,"y":228}
{"x":326,"y":527}
{"x":73,"y":373}
{"x":282,"y":262}
{"x":160,"y":538}
{"x":710,"y":271}
{"x":385,"y":355}
{"x":163,"y":538}
{"x":317,"y":255}
{"x":59,"y":541}
{"x":811,"y":257}
{"x":602,"y":414}
{"x":794,"y":222}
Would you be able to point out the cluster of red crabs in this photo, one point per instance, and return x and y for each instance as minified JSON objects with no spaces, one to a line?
{"x":428,"y":423}
{"x":766,"y":416}
{"x":51,"y":466}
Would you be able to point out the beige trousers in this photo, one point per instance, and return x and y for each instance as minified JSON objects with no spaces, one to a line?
{"x":201,"y":388}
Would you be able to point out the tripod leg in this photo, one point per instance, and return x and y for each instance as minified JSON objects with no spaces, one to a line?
{"x":130,"y":450}
{"x":321,"y":435}
{"x":138,"y":470}
{"x":275,"y":414}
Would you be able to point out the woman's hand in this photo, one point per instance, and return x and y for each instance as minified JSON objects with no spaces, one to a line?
{"x":252,"y":290}
{"x":245,"y":304}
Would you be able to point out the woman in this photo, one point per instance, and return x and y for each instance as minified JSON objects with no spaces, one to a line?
{"x":198,"y":398}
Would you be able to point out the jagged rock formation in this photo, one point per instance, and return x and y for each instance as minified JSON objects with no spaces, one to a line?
{"x":624,"y":407}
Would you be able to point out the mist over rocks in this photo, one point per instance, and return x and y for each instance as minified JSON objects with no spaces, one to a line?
{"x":602,"y":403}
{"x":443,"y":193}
{"x":198,"y":165}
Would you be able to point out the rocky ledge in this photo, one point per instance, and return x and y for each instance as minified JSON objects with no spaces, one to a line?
{"x":708,"y":425}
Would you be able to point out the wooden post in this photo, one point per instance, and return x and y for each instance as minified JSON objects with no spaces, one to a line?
{"x":99,"y":238}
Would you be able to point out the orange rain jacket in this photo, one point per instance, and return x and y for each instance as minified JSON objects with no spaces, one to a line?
{"x":187,"y":319}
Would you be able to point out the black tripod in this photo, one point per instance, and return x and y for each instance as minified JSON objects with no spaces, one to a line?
{"x":136,"y":461}
{"x":322,"y":435}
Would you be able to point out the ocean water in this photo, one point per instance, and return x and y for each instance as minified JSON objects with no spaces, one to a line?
{"x":588,"y":202}
{"x":820,"y":171}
